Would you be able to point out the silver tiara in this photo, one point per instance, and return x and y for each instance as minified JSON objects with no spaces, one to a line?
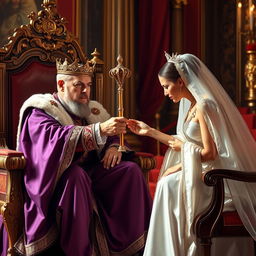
{"x":174,"y":58}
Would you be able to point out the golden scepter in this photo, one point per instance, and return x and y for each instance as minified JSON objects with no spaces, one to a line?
{"x":120,"y":73}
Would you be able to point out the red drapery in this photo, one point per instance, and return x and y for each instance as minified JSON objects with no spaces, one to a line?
{"x":192,"y":27}
{"x":153,"y":40}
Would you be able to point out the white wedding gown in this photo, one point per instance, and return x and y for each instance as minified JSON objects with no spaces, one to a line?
{"x":179,"y":198}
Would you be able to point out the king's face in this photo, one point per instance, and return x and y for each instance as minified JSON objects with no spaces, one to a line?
{"x":78,"y":88}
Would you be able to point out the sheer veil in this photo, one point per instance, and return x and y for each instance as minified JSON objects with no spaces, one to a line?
{"x":235,"y":144}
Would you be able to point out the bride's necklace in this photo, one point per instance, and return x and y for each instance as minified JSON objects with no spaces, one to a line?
{"x":192,"y":111}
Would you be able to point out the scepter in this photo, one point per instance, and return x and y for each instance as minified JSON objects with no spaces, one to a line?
{"x":120,"y":73}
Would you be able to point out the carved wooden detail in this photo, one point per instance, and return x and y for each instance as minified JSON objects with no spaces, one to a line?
{"x":209,"y":224}
{"x":46,"y":37}
{"x":12,"y":163}
{"x":145,"y":162}
{"x":11,"y":206}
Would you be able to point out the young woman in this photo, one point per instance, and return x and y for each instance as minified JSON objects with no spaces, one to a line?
{"x":210,"y":134}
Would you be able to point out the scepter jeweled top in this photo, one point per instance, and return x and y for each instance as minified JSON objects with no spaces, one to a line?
{"x":120,"y":73}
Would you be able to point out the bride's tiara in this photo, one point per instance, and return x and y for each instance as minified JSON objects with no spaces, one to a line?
{"x":174,"y":58}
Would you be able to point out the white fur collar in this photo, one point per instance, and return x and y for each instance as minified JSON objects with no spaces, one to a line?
{"x":53,"y":108}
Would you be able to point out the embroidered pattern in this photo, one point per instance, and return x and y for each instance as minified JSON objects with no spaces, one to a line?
{"x":95,"y":111}
{"x":69,"y":150}
{"x":39,"y":245}
{"x":88,"y":138}
{"x":54,"y":103}
{"x":132,"y":248}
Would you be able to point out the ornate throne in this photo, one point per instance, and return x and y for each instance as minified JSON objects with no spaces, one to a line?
{"x":27,"y":66}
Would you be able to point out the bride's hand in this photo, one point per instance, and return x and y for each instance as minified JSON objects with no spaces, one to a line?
{"x":175,"y":144}
{"x":172,"y":169}
{"x":138,"y":127}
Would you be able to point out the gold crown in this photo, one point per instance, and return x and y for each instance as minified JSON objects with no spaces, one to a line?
{"x":74,"y":68}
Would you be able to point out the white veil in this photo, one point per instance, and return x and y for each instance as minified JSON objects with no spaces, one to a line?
{"x":235,"y":144}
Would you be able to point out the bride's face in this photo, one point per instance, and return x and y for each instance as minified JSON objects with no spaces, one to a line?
{"x":174,"y":90}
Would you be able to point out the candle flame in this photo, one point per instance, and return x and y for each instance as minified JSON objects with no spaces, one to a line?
{"x":239,"y":5}
{"x":252,"y":8}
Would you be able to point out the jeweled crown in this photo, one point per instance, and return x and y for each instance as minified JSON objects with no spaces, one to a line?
{"x":74,"y":68}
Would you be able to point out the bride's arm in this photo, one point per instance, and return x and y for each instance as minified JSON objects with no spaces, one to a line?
{"x":209,"y":151}
{"x":160,"y":136}
{"x":140,"y":128}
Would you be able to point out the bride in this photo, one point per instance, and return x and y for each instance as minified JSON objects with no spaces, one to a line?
{"x":210,"y":134}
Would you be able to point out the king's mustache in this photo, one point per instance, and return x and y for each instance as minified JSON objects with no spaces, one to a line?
{"x":84,"y":96}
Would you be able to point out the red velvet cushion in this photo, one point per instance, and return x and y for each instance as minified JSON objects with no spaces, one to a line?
{"x":152,"y":189}
{"x":231,"y":219}
{"x":144,"y":154}
{"x":159,"y":161}
{"x":9,"y":152}
{"x":243,"y":110}
{"x":253,"y":132}
{"x":153,"y":175}
{"x":250,"y":120}
{"x":35,"y":78}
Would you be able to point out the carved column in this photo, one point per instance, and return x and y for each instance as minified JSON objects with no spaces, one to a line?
{"x":177,"y":25}
{"x":119,"y":39}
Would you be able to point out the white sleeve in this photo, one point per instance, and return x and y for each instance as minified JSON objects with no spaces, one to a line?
{"x":101,"y":140}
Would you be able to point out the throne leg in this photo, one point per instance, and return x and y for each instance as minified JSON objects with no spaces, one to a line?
{"x":12,"y":210}
{"x":205,"y":246}
{"x":11,"y":223}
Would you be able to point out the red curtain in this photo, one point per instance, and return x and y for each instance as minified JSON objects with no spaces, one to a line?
{"x":192,"y":27}
{"x":153,"y":40}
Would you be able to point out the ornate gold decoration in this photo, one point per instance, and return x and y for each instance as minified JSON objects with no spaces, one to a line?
{"x":12,"y":163}
{"x":146,"y":164}
{"x":74,"y":68}
{"x":98,"y":77}
{"x":96,"y":58}
{"x":45,"y":37}
{"x":120,"y":73}
{"x":95,"y":111}
{"x":178,"y":3}
{"x":54,"y":103}
{"x":250,"y":77}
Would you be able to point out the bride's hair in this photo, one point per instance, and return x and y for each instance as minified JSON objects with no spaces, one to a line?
{"x":169,"y":72}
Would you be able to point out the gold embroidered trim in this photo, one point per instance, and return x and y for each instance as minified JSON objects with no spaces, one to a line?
{"x":43,"y":243}
{"x":102,"y":241}
{"x":69,"y":150}
{"x":132,"y":248}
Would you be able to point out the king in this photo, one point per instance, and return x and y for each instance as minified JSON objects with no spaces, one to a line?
{"x":80,"y":197}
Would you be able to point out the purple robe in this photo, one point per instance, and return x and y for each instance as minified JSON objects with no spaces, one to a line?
{"x":71,"y":198}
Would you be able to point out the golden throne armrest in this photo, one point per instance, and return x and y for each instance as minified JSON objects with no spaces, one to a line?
{"x":146,"y":161}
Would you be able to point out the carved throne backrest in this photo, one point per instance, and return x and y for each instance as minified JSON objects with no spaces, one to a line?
{"x":27,"y":64}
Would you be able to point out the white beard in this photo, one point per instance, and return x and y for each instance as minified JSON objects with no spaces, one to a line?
{"x":78,"y":109}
